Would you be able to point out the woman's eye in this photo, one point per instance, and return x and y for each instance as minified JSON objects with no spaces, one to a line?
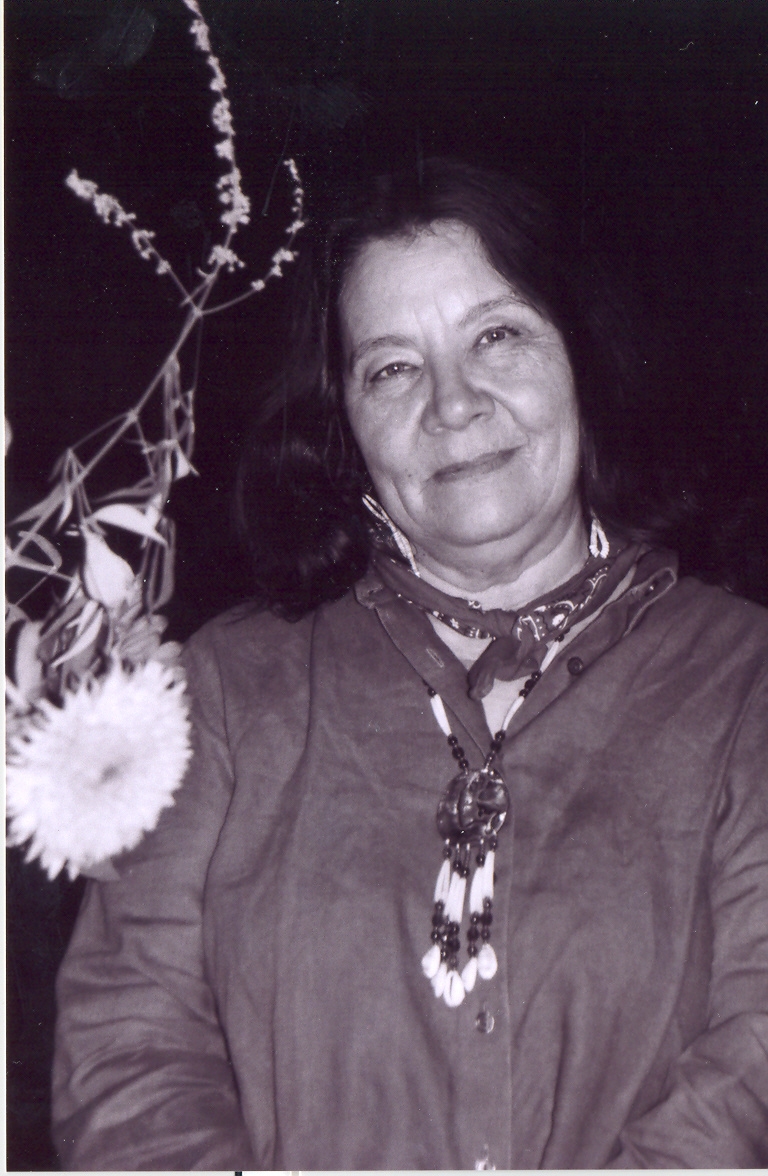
{"x":498,"y":335}
{"x":390,"y":372}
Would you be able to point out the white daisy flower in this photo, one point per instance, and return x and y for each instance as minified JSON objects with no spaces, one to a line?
{"x":87,"y":780}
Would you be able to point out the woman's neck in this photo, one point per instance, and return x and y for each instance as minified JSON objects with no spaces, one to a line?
{"x":511,"y":584}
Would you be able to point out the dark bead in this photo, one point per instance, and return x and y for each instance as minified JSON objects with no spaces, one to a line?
{"x":474,"y":917}
{"x":464,"y":765}
{"x":487,"y":918}
{"x":524,"y":692}
{"x":437,"y":920}
{"x":453,"y":928}
{"x":575,"y":666}
{"x":492,"y":844}
{"x":485,"y":934}
{"x":484,"y":1021}
{"x":454,"y":945}
{"x":535,"y":676}
{"x":435,"y":937}
{"x":447,"y":851}
{"x":473,"y":934}
{"x":480,"y":859}
{"x":487,"y":904}
{"x":443,"y":953}
{"x":472,"y":949}
{"x":439,"y":906}
{"x":500,"y":736}
{"x":431,"y":691}
{"x":453,"y":741}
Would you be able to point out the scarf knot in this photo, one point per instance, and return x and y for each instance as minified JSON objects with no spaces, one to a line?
{"x":519,"y":639}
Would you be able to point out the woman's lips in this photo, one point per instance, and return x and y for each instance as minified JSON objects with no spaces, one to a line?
{"x":486,"y":463}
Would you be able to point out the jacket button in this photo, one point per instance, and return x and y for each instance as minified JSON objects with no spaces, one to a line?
{"x":484,"y":1021}
{"x":575,"y":665}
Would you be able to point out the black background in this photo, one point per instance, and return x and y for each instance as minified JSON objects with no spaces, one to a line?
{"x":648,"y":117}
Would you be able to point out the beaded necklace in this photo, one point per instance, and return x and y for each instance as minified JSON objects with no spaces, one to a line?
{"x":469,"y":817}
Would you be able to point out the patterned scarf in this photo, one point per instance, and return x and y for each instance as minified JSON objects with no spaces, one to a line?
{"x":519,"y":639}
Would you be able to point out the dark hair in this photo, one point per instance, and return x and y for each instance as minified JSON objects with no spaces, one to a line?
{"x":298,"y":500}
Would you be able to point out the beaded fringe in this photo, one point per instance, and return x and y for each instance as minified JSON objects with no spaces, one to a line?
{"x":440,"y":964}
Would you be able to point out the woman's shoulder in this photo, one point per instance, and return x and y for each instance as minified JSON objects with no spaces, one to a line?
{"x":248,"y":628}
{"x":253,"y":650}
{"x":719,"y":608}
{"x":709,"y":626}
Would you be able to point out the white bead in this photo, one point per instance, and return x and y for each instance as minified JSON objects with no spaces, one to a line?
{"x":443,"y":882}
{"x":476,"y":891}
{"x":455,"y":904}
{"x":431,"y":961}
{"x":488,"y":868}
{"x":487,"y":964}
{"x":438,"y":710}
{"x":469,"y":974}
{"x":453,"y":993}
{"x":439,"y":979}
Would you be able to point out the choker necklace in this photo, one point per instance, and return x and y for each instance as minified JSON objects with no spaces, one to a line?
{"x":469,"y":817}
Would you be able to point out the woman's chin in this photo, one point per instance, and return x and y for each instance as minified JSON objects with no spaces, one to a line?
{"x":462,"y":538}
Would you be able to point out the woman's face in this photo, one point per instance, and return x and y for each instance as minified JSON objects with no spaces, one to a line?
{"x":460,"y":396}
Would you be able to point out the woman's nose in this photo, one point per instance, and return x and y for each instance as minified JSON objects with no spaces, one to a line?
{"x":455,"y":400}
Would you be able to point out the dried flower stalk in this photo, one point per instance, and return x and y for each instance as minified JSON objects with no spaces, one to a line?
{"x":104,"y":623}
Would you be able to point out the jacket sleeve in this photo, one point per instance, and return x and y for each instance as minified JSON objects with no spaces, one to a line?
{"x":142,"y":1077}
{"x":716,"y":1110}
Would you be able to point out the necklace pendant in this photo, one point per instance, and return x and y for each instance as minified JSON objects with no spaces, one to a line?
{"x":474,"y":807}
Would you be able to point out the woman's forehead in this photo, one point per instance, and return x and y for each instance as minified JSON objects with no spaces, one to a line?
{"x":445,"y":262}
{"x":408,"y":250}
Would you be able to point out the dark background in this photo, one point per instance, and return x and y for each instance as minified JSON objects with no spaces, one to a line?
{"x":647,"y":117}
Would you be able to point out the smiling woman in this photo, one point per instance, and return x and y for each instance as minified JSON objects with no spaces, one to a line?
{"x":461,"y":398}
{"x":470,"y":868}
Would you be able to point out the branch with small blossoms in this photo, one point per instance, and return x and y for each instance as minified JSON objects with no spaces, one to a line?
{"x":85,"y":619}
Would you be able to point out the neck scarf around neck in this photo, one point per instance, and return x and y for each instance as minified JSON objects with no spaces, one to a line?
{"x":519,"y":639}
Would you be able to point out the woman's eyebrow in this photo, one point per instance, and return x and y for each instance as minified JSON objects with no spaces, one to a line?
{"x":491,"y":304}
{"x":367,"y":345}
{"x":476,"y":312}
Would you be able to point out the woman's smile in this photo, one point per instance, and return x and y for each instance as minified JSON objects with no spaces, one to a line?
{"x":477,"y":467}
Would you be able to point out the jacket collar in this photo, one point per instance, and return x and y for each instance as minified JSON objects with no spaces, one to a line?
{"x":655,"y":573}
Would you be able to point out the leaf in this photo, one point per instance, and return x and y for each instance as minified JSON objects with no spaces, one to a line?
{"x":14,"y":695}
{"x":182,"y":464}
{"x":90,"y":608}
{"x":106,"y":577}
{"x":71,"y":608}
{"x":160,"y":578}
{"x":45,"y":506}
{"x":31,"y":565}
{"x":44,"y":545}
{"x":66,"y":508}
{"x":13,"y":614}
{"x":27,"y":667}
{"x":139,"y":491}
{"x":129,"y":518}
{"x":86,"y":639}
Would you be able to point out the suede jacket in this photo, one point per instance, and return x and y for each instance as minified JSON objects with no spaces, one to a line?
{"x":249,"y":992}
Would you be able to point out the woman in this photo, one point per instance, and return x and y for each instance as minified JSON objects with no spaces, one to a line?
{"x":284,"y":975}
